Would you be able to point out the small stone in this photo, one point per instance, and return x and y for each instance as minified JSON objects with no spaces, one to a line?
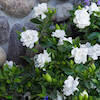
{"x":17,"y":8}
{"x":15,"y":48}
{"x":4,"y":30}
{"x":2,"y":56}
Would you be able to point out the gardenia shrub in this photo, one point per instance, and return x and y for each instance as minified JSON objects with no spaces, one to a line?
{"x":67,"y":67}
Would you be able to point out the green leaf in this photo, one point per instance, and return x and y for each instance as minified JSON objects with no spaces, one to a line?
{"x":94,"y":35}
{"x":9,"y":97}
{"x":17,"y":80}
{"x":8,"y":81}
{"x":24,"y":29}
{"x":57,"y":27}
{"x":18,"y":34}
{"x":43,"y":90}
{"x":27,"y":59}
{"x":35,"y":50}
{"x":76,"y":42}
{"x":37,"y":21}
{"x":1,"y":75}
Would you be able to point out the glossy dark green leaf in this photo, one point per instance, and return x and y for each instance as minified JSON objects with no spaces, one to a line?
{"x":36,"y":21}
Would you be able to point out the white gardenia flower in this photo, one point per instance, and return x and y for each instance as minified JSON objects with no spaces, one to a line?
{"x":87,"y":8}
{"x":94,"y":51}
{"x":59,"y":34}
{"x":70,"y":86}
{"x":61,"y":41}
{"x":80,"y":55}
{"x":93,"y":7}
{"x":40,"y":10}
{"x":29,"y":37}
{"x":9,"y":63}
{"x":84,"y":93}
{"x":82,"y":18}
{"x":87,"y":45}
{"x":41,"y":59}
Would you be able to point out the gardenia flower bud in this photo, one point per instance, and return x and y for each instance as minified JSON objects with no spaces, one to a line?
{"x":29,"y":37}
{"x":59,"y":96}
{"x":47,"y":77}
{"x":80,"y":55}
{"x":40,"y":10}
{"x":70,"y":86}
{"x":84,"y":93}
{"x":41,"y":59}
{"x":59,"y":34}
{"x":82,"y":18}
{"x":9,"y":63}
{"x":61,"y":41}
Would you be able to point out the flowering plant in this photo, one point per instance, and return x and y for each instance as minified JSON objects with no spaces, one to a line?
{"x":67,"y":67}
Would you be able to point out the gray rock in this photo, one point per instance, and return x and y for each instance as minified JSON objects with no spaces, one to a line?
{"x":62,"y":11}
{"x":41,"y":1}
{"x":2,"y":56}
{"x":77,"y":2}
{"x":5,"y":47}
{"x":15,"y":48}
{"x":17,"y":8}
{"x":4,"y":30}
{"x":30,"y":25}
